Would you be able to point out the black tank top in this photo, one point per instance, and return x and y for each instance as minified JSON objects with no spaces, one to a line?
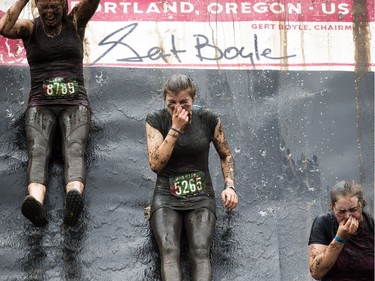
{"x":190,"y":155}
{"x":56,"y":67}
{"x":356,"y":259}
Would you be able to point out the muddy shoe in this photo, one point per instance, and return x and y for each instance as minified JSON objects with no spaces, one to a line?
{"x":33,"y":210}
{"x":73,"y":207}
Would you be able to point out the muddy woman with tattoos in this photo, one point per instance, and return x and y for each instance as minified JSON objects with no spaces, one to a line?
{"x":341,"y":244}
{"x":57,"y":99}
{"x":178,"y":141}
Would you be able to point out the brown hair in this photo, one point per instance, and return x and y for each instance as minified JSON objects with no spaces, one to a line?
{"x":66,"y":7}
{"x":179,"y":82}
{"x":347,"y":188}
{"x":64,"y":3}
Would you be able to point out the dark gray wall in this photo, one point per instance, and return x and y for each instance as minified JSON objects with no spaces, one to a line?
{"x":292,"y":134}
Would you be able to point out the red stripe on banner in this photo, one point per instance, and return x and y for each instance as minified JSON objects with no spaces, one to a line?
{"x":290,"y":66}
{"x":220,"y":10}
{"x":230,"y":65}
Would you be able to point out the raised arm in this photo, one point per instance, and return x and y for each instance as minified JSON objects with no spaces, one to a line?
{"x":11,"y":26}
{"x":83,"y":12}
{"x":228,"y":196}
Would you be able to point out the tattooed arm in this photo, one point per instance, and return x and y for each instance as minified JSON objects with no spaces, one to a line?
{"x":228,"y":196}
{"x":11,"y":26}
{"x":322,"y":258}
{"x":159,"y":149}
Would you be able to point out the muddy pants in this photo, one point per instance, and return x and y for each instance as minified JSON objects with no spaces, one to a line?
{"x":41,"y":123}
{"x":199,"y":225}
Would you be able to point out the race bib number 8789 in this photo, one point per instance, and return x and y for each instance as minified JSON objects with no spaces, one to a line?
{"x":187,"y":185}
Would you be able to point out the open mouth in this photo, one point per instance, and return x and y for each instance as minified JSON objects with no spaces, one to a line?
{"x":50,"y":21}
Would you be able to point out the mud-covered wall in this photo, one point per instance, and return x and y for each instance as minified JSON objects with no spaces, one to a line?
{"x":292,"y":134}
{"x":295,"y":96}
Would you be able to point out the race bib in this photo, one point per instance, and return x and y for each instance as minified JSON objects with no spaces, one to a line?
{"x":187,"y":185}
{"x":59,"y":87}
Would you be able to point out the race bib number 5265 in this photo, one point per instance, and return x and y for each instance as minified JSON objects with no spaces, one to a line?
{"x":58,"y":87}
{"x":187,"y":185}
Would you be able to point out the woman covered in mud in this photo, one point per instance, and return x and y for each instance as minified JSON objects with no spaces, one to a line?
{"x":57,"y":99}
{"x":178,"y":141}
{"x":341,"y":244}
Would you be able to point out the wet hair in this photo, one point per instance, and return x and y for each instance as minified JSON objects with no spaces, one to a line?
{"x":66,"y":7}
{"x":347,"y":188}
{"x":63,"y":2}
{"x":179,"y":82}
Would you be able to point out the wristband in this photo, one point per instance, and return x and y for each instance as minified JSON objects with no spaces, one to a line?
{"x":178,"y":131}
{"x":338,"y":239}
{"x":230,"y":186}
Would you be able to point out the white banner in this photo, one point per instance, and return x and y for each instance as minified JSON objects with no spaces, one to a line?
{"x":328,"y":35}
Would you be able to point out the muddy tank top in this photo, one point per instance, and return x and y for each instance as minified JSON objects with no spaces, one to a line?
{"x":56,"y":68}
{"x":185,"y":182}
{"x":356,"y":259}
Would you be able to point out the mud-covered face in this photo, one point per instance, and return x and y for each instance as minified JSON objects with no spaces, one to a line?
{"x":347,"y":206}
{"x":51,"y":12}
{"x":181,"y":99}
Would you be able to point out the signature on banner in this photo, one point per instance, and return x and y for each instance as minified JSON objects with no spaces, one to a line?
{"x":203,"y":50}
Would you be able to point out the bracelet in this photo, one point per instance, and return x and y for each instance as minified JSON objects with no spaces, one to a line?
{"x":174,"y":129}
{"x":338,"y":239}
{"x":231,"y":187}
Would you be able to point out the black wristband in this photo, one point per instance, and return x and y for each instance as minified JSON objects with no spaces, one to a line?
{"x":230,"y":186}
{"x":178,"y":131}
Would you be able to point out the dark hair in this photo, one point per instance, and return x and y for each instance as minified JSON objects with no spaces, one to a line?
{"x":65,"y":5}
{"x":347,"y":188}
{"x":179,"y":82}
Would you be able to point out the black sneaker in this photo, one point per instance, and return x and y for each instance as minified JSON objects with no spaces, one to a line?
{"x":33,"y":210}
{"x":73,"y":207}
